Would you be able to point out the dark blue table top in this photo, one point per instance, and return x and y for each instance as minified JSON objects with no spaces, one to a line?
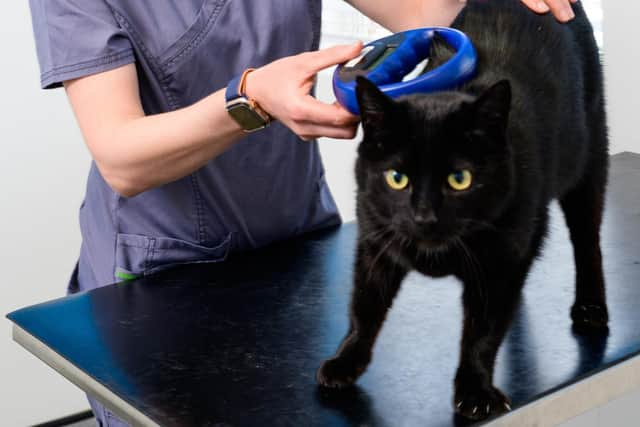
{"x":238,"y":342}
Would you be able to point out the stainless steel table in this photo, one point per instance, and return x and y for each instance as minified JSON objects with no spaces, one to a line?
{"x":237,"y":343}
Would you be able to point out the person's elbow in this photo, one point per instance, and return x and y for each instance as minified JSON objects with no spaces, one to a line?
{"x":117,"y":165}
{"x":123,"y":182}
{"x":125,"y":187}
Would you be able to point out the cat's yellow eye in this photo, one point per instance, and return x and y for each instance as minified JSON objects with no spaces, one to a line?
{"x":460,"y":180}
{"x":396,"y":180}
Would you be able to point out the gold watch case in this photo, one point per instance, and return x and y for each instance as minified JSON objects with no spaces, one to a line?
{"x":247,"y":114}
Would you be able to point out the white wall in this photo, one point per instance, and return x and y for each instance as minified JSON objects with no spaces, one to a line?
{"x":43,"y":166}
{"x":42,"y":173}
{"x":622,"y":65}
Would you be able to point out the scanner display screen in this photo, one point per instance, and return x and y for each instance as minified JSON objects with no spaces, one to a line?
{"x":388,"y":51}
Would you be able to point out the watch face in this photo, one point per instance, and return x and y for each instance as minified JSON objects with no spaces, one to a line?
{"x":246,"y":117}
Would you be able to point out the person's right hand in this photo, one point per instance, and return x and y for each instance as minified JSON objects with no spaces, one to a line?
{"x":282,"y":88}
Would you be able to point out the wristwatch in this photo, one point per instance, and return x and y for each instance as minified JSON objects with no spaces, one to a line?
{"x":246,"y":112}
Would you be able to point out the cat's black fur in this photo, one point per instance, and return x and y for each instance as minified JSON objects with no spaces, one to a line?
{"x":530,"y":127}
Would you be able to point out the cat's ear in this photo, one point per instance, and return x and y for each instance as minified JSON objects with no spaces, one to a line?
{"x":492,"y":107}
{"x":375,"y":107}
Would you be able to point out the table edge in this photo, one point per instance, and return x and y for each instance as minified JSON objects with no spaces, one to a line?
{"x":118,"y":406}
{"x":578,"y":398}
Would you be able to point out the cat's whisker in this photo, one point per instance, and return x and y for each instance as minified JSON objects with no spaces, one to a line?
{"x":376,"y":234}
{"x":401,"y":241}
{"x":473,"y":265}
{"x":483,"y":224}
{"x":377,"y":257}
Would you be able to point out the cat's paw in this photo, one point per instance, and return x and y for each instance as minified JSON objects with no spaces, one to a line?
{"x":478,"y":403}
{"x":590,"y":318}
{"x":339,"y":372}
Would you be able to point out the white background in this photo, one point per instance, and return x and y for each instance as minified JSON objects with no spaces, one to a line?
{"x":43,"y":166}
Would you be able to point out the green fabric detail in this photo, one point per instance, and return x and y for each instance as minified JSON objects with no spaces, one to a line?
{"x":125,"y":276}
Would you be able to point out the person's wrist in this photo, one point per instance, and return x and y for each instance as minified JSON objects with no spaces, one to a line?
{"x":242,"y":108}
{"x":251,"y":92}
{"x":249,"y":85}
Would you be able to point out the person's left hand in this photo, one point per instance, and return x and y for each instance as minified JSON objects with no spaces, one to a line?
{"x":561,"y":9}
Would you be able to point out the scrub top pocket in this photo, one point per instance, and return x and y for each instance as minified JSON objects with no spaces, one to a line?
{"x":138,"y":255}
{"x":194,"y":35}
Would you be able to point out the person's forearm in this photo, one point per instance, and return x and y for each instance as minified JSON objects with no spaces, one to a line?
{"x":135,"y":152}
{"x":159,"y":149}
{"x":401,"y":15}
{"x":149,"y":151}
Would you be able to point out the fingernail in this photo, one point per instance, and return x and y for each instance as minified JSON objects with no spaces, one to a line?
{"x":542,"y":6}
{"x":568,"y":14}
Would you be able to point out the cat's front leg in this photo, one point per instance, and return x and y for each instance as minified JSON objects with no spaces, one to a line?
{"x":377,"y":279}
{"x":489,"y":304}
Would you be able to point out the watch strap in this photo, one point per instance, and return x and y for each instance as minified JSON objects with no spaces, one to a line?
{"x":233,"y":91}
{"x":235,"y":88}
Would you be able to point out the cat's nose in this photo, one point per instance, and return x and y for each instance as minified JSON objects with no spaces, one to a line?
{"x":425,"y":217}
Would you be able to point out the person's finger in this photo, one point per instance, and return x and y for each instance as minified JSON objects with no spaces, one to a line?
{"x":561,"y":9}
{"x":321,"y":59}
{"x":310,"y":109}
{"x":312,"y":131}
{"x":537,"y":5}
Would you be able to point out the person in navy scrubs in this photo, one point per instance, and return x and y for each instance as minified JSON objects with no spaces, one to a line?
{"x":200,"y":120}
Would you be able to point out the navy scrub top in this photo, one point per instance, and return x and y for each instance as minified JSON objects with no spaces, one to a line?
{"x":269,"y":186}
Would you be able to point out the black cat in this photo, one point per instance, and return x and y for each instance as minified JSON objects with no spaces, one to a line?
{"x":459,"y":183}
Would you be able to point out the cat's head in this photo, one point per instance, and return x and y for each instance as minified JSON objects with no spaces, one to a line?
{"x":433,"y":167}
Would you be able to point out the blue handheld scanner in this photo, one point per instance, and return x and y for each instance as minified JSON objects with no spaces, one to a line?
{"x":387,"y":61}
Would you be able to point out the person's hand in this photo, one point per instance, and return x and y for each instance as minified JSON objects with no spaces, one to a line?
{"x":561,"y":9}
{"x":282,"y":88}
